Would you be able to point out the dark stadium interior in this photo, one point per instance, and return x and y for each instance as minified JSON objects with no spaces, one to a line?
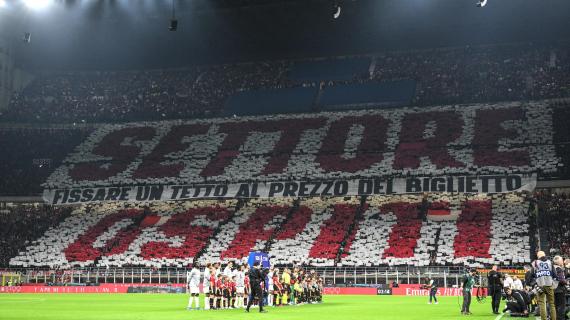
{"x":392,"y":137}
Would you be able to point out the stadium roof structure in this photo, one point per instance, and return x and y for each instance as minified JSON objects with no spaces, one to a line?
{"x":128,"y":34}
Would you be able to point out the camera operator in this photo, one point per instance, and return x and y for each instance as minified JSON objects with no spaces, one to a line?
{"x":495,"y":281}
{"x":529,"y":284}
{"x":517,"y":302}
{"x":545,"y":277}
{"x":561,"y":290}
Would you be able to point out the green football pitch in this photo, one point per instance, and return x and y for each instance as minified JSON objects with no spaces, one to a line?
{"x":172,"y":307}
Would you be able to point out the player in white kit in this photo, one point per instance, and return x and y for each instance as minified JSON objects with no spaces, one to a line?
{"x":240,"y":287}
{"x":193,"y":285}
{"x":270,"y":287}
{"x":228,"y":272}
{"x":206,"y":286}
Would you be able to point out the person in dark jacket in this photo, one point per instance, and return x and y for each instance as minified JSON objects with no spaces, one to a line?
{"x":529,"y":281}
{"x":431,"y":285}
{"x":495,"y":281}
{"x":560,"y":291}
{"x":567,"y":276}
{"x":256,"y":278}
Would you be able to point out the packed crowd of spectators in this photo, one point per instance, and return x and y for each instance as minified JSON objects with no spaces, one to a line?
{"x":29,"y":156}
{"x":137,"y":95}
{"x":22,"y":224}
{"x":554,"y":217}
{"x":444,"y":76}
{"x":481,"y":74}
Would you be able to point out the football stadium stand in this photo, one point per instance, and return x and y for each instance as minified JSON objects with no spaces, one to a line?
{"x":486,"y":111}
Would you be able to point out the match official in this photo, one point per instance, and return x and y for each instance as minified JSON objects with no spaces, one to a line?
{"x":256,"y":277}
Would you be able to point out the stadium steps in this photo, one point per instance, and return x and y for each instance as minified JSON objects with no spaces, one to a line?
{"x":240,"y":204}
{"x":372,"y":67}
{"x":543,"y":238}
{"x":317,"y":100}
{"x":39,"y":229}
{"x":294,"y":208}
{"x":436,"y":244}
{"x":533,"y":232}
{"x":544,"y":241}
{"x":423,"y":213}
{"x":351,"y":232}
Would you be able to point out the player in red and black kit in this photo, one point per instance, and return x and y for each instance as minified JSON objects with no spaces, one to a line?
{"x":212,"y":281}
{"x":226,"y":291}
{"x":218,"y":291}
{"x":247,"y":289}
{"x":232,"y":297}
{"x":277,"y":288}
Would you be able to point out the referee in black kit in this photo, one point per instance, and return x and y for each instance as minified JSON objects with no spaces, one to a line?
{"x":495,"y":281}
{"x":256,"y":277}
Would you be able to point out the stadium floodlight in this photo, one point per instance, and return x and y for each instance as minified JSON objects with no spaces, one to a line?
{"x":336,"y":14}
{"x":482,"y":3}
{"x":337,"y":8}
{"x":36,"y":4}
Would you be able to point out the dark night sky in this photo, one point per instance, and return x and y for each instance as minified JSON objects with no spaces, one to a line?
{"x":130,"y":34}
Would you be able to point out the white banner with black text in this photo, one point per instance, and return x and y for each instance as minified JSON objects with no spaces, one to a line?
{"x":337,"y":188}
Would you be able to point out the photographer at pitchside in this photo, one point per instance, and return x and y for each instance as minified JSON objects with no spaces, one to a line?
{"x":545,"y":276}
{"x":517,"y":302}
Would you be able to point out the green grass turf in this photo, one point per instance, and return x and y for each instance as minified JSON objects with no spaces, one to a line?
{"x":172,"y":307}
